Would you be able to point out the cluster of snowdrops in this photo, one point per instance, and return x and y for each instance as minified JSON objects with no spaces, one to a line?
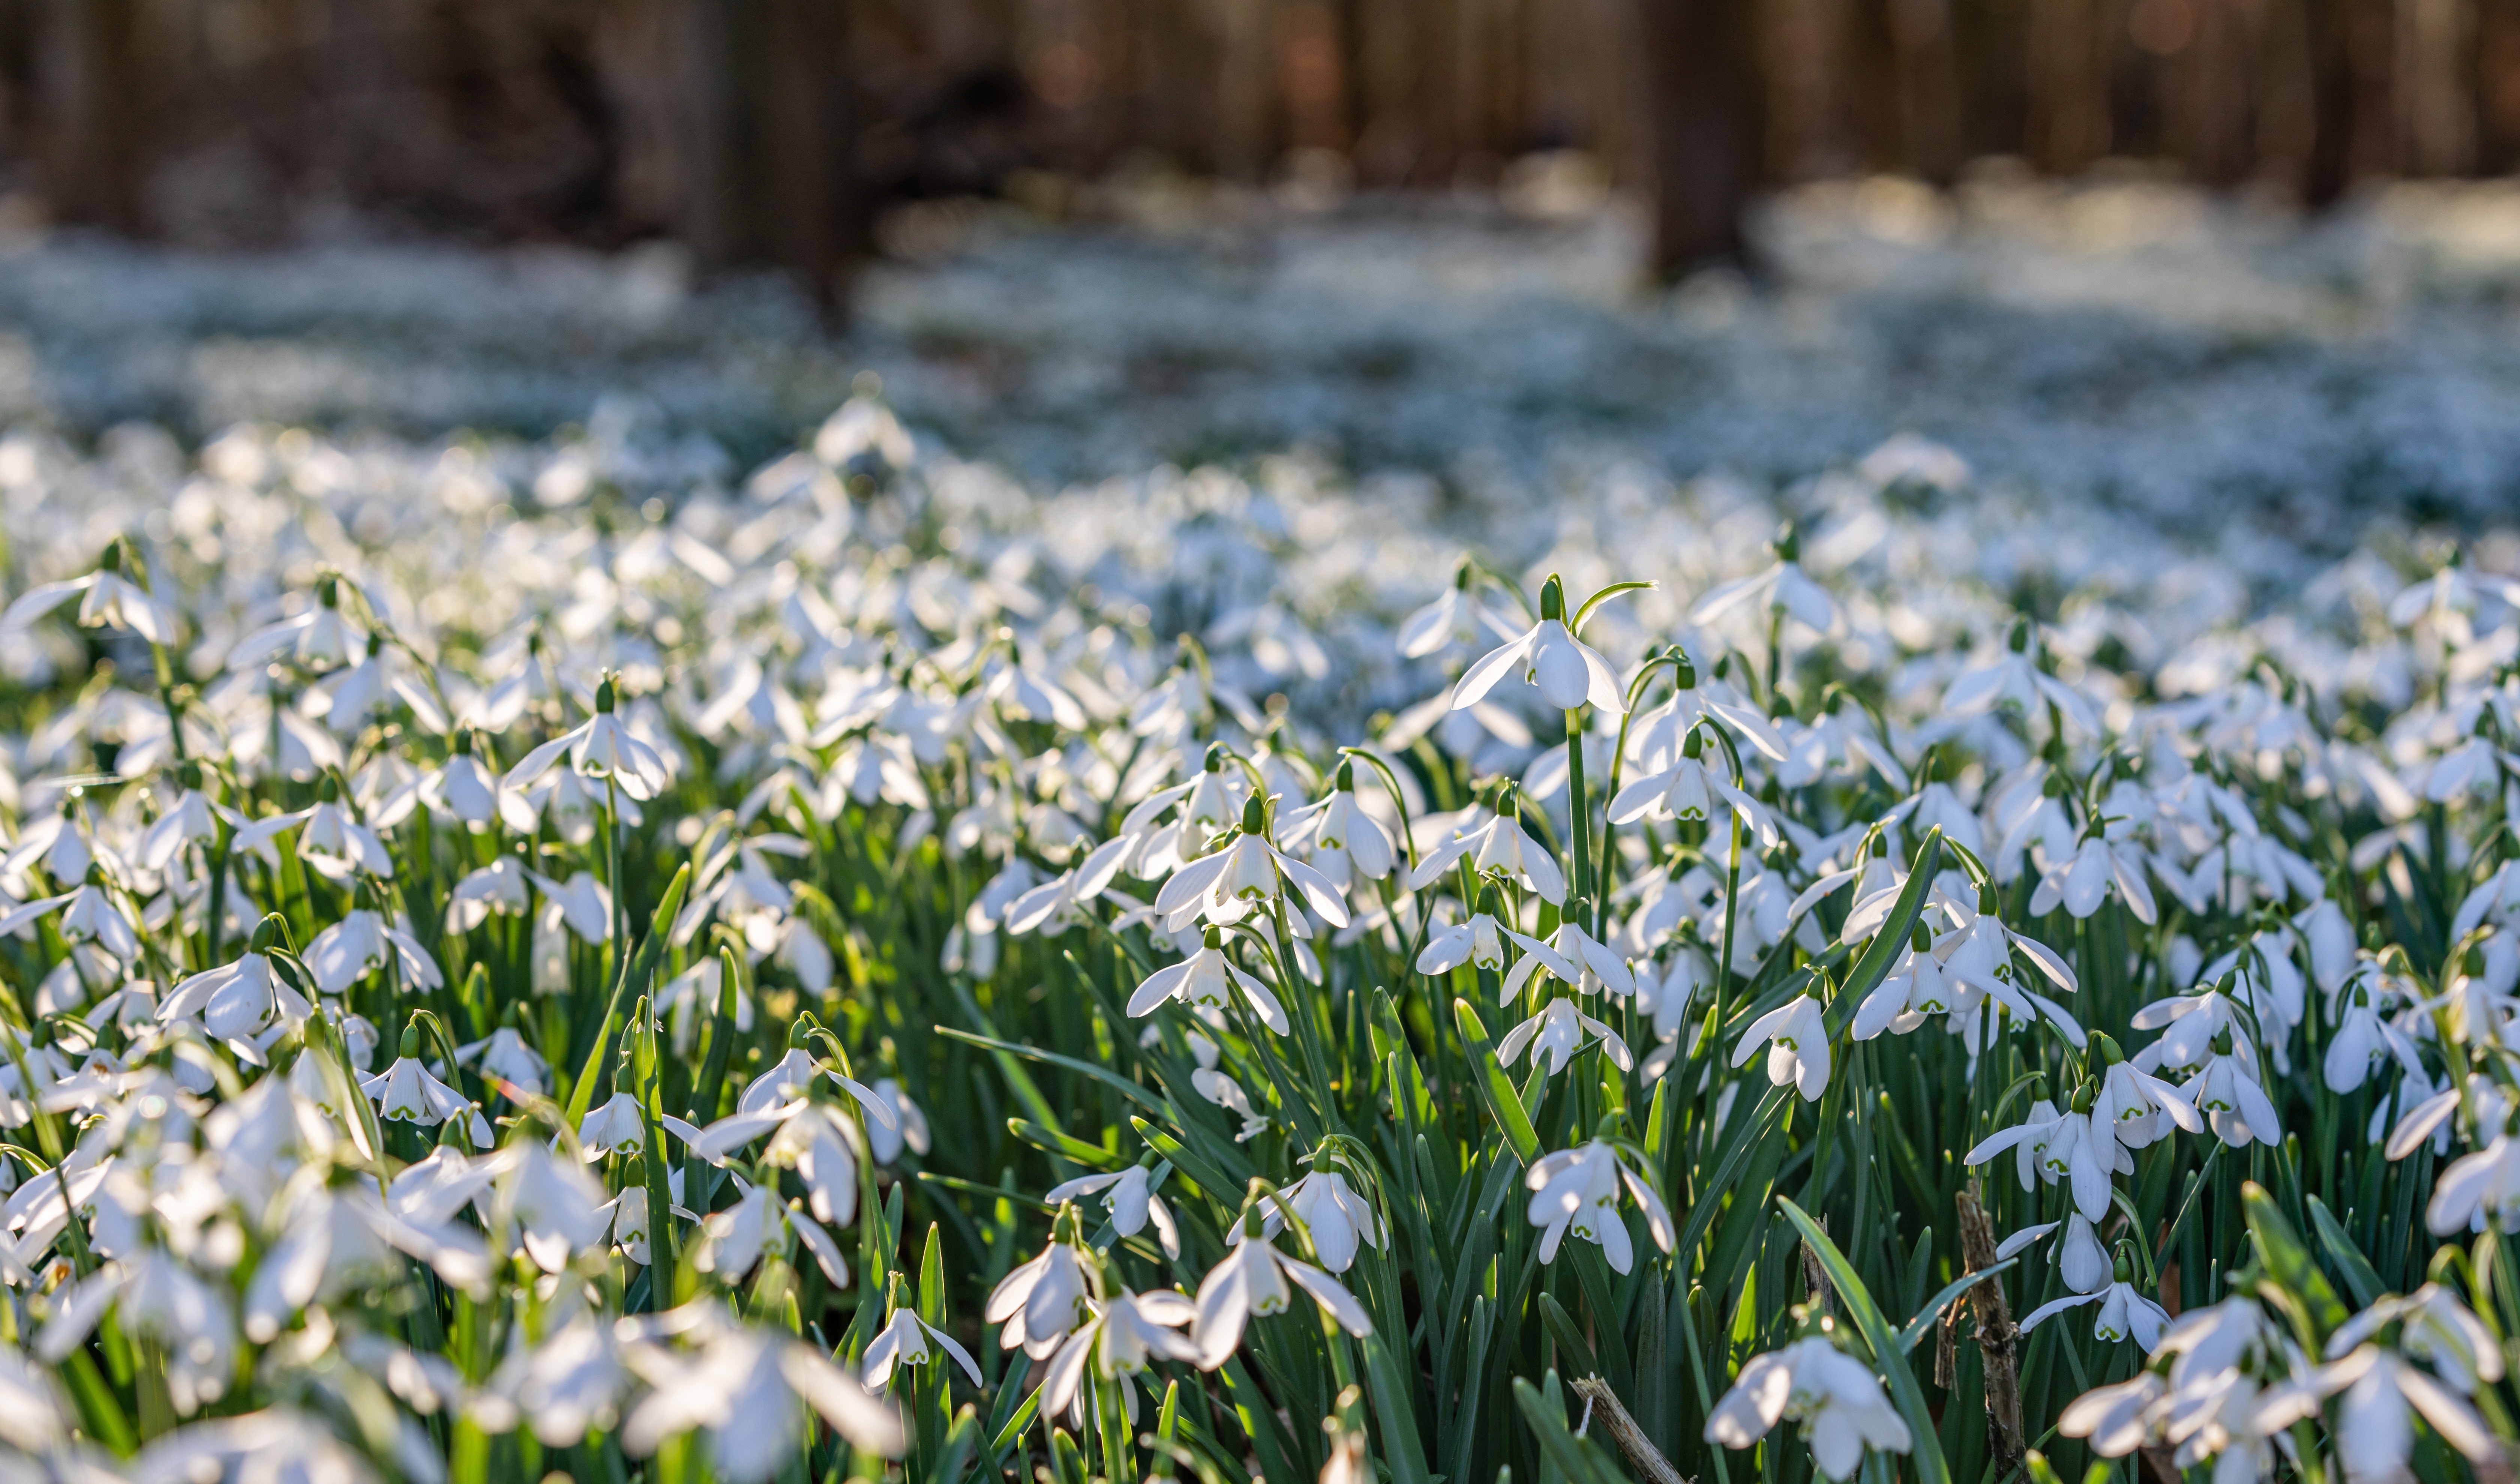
{"x":787,"y":989}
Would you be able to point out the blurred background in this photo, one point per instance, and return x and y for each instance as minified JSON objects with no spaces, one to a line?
{"x":788,"y":132}
{"x":2248,"y":270}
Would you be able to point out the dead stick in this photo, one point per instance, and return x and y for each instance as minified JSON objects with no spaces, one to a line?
{"x":1996,"y":1339}
{"x":1624,"y":1432}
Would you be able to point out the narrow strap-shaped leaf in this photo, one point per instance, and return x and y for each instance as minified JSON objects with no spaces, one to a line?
{"x":581,"y":1095}
{"x":1923,"y":1324}
{"x":1891,"y":1360}
{"x":1504,"y":1099}
{"x":1892,"y":941}
{"x":1218,"y":1186}
{"x":2360,"y":1276}
{"x":1562,"y":1446}
{"x":1103,"y":1075}
{"x":2288,"y":1262}
{"x":1598,"y":599}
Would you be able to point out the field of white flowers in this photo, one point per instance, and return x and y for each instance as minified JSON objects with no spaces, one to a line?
{"x":1581,"y":900}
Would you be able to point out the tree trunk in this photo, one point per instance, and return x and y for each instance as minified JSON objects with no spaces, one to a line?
{"x":768,"y":159}
{"x":96,"y":106}
{"x":1703,"y":93}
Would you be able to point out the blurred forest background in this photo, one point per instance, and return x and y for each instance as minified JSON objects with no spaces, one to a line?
{"x":780,"y":131}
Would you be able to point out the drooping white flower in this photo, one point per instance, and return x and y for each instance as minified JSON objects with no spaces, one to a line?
{"x":1797,"y":1044}
{"x":1254,"y":1280}
{"x":1207,"y":978}
{"x":1131,"y":1200}
{"x":1577,"y":1191}
{"x":1332,"y":1210}
{"x":1500,"y":848}
{"x":1836,"y":1398}
{"x":909,"y":1340}
{"x":1568,"y":672}
{"x":601,"y":746}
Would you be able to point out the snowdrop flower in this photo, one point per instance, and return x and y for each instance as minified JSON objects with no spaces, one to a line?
{"x":906,"y":1129}
{"x":1227,"y":1094}
{"x":1453,"y":943}
{"x":358,"y":946}
{"x":1225,"y":885}
{"x":1915,"y":989}
{"x":107,"y":600}
{"x":1797,"y":1042}
{"x":1784,"y":587}
{"x":2131,"y":1104}
{"x":742,"y":1387}
{"x":909,"y":1340}
{"x":318,"y":639}
{"x":2477,"y":1188}
{"x":2081,"y":1260}
{"x":2123,"y":1314}
{"x":1836,"y":1398}
{"x":1499,"y":849}
{"x":499,"y":887}
{"x":1043,"y":1301}
{"x":1255,"y":1279}
{"x":1577,"y":1191}
{"x":2226,"y":1091}
{"x":1205,"y":978}
{"x":2375,"y":1436}
{"x":1331,"y":1211}
{"x":87,"y":915}
{"x":1131,"y":1200}
{"x":1347,"y":844}
{"x":2014,"y":674}
{"x":1690,"y":789}
{"x":1573,"y":957}
{"x":1558,"y":1030}
{"x":810,"y":1137}
{"x":236,"y":1001}
{"x":504,"y":1054}
{"x":1455,"y":617}
{"x":600,"y":747}
{"x":154,"y":1296}
{"x":1119,"y":1338}
{"x":2060,"y":1148}
{"x":583,"y":903}
{"x":405,"y":1092}
{"x":618,"y":1123}
{"x":2081,"y":882}
{"x":1567,"y":672}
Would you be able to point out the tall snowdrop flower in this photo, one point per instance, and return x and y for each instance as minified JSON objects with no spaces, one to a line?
{"x":1129,"y":1199}
{"x":2476,"y":1189}
{"x":2375,"y":1436}
{"x":1043,"y":1301}
{"x":2225,"y":1091}
{"x":504,"y":1054}
{"x":1331,"y":1211}
{"x":582,"y":904}
{"x":1577,"y":1191}
{"x":618,"y":1123}
{"x":908,"y":1129}
{"x":1254,"y":1280}
{"x":2014,"y":674}
{"x":2434,"y":1327}
{"x":87,"y":915}
{"x":107,"y":600}
{"x":2060,"y":1148}
{"x":405,"y":1092}
{"x":1119,"y":1338}
{"x":742,"y":1387}
{"x":1455,"y":617}
{"x":1797,"y":1042}
{"x":1567,"y":672}
{"x":499,"y":887}
{"x":1348,"y":845}
{"x":359,"y":945}
{"x":1227,"y":885}
{"x":600,"y":747}
{"x":1595,"y":965}
{"x":909,"y":1340}
{"x":153,"y":1295}
{"x":320,"y":640}
{"x":236,"y":1001}
{"x":811,"y":1138}
{"x":2081,"y":1260}
{"x":1784,"y":587}
{"x":2081,"y":882}
{"x":2360,"y":1042}
{"x":1206,"y":978}
{"x":1915,"y":990}
{"x":2131,"y":1105}
{"x":2124,"y":1313}
{"x":1836,"y":1398}
{"x":1497,"y":849}
{"x":1558,"y":1030}
{"x":1227,"y":1094}
{"x":1451,"y":944}
{"x":1693,"y":789}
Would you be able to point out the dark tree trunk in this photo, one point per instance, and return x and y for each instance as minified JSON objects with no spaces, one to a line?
{"x":769,"y":138}
{"x":1703,"y":96}
{"x":96,"y":108}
